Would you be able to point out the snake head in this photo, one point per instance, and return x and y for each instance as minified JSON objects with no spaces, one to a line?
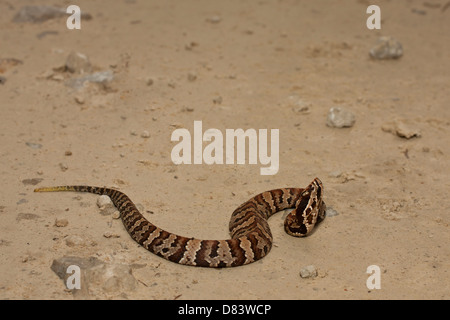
{"x":309,"y":209}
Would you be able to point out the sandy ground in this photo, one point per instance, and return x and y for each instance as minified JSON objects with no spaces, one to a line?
{"x":231,"y":64}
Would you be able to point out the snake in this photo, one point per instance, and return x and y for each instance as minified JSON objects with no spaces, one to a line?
{"x":251,"y":238}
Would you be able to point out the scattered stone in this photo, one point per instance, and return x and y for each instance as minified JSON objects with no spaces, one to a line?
{"x":111,"y":278}
{"x":101,"y":77}
{"x":103,"y":201}
{"x":63,"y":166}
{"x":191,"y":45}
{"x":61,"y":223}
{"x":387,"y":48}
{"x":98,"y":279}
{"x":76,"y":241}
{"x":191,"y":76}
{"x":145,"y":134}
{"x":39,"y":14}
{"x":32,"y":182}
{"x":79,"y":99}
{"x":116,"y":214}
{"x":68,"y":153}
{"x":22,"y":201}
{"x":26,"y":216}
{"x":214,"y":19}
{"x":109,"y":234}
{"x":150,"y":81}
{"x":7,"y":63}
{"x":298,"y":105}
{"x":401,"y":128}
{"x":33,"y":145}
{"x":78,"y":63}
{"x":340,"y":118}
{"x":308,"y":272}
{"x":335,"y":174}
{"x":2,"y":80}
{"x":330,"y":212}
{"x":46,"y":33}
{"x":106,"y":205}
{"x":59,"y":266}
{"x":217,"y":100}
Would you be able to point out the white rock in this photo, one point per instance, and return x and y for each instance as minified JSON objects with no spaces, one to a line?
{"x":387,"y":48}
{"x":340,"y":118}
{"x":104,"y":201}
{"x":308,"y":272}
{"x":78,"y":63}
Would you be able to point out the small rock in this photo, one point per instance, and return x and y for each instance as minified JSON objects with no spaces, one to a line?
{"x":298,"y":104}
{"x":330,"y":212}
{"x":401,"y":128}
{"x":217,"y":100}
{"x":2,"y":80}
{"x":308,"y":272}
{"x":109,"y":234}
{"x":79,"y":99}
{"x":59,"y":266}
{"x":78,"y":63}
{"x":63,"y":166}
{"x":39,"y":14}
{"x":60,"y":223}
{"x":43,"y":34}
{"x":101,"y":77}
{"x":214,"y":19}
{"x":340,"y":118}
{"x":191,"y":76}
{"x":32,"y":182}
{"x":387,"y":48}
{"x":145,"y":134}
{"x":33,"y":145}
{"x":116,"y":214}
{"x":76,"y":241}
{"x":103,"y":201}
{"x":26,"y":216}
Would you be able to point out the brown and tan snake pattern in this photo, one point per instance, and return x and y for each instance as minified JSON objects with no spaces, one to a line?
{"x":250,"y":240}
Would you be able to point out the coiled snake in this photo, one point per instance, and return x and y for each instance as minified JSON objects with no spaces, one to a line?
{"x":251,"y":238}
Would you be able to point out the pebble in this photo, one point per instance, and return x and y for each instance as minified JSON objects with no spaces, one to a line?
{"x":76,"y":241}
{"x":103,"y":201}
{"x":79,"y":99}
{"x":33,"y":145}
{"x":2,"y":80}
{"x":217,"y":100}
{"x":402,"y":129}
{"x":214,"y":19}
{"x":116,"y":214}
{"x":191,"y":76}
{"x":145,"y":134}
{"x":330,"y":212}
{"x":32,"y":182}
{"x":39,"y":14}
{"x":340,"y":118}
{"x":78,"y":62}
{"x":60,"y":223}
{"x":308,"y":272}
{"x":109,"y":234}
{"x":102,"y":77}
{"x":298,"y":104}
{"x":387,"y":48}
{"x":63,"y":166}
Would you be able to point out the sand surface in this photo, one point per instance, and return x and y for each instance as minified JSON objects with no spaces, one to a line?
{"x":230,"y":64}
